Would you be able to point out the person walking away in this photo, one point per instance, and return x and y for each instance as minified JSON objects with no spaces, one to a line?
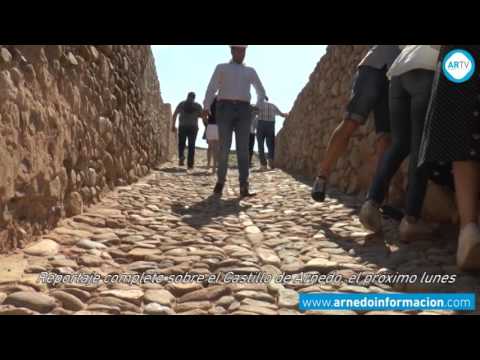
{"x":266,"y":132}
{"x":232,"y":81}
{"x":369,"y":94}
{"x":253,"y":134}
{"x":204,"y":137}
{"x":452,"y":136}
{"x":411,"y":78}
{"x":189,"y":112}
{"x":212,"y":137}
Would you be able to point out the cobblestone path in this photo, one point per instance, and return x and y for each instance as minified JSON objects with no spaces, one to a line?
{"x":169,"y":224}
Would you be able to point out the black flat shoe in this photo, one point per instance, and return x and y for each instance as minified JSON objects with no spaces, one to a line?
{"x":319,"y":189}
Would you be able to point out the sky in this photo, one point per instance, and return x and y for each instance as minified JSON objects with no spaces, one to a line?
{"x":283,"y":69}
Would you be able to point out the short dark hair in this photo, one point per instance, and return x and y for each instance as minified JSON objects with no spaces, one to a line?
{"x":191,"y":94}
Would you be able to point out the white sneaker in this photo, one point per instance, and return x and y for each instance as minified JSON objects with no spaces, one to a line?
{"x":414,"y":231}
{"x":370,"y":217}
{"x":468,"y":254}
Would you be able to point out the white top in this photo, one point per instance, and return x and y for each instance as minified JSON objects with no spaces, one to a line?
{"x":415,"y":57}
{"x":233,"y":81}
{"x":268,"y":111}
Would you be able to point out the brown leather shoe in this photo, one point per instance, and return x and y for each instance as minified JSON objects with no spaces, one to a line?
{"x":245,"y":191}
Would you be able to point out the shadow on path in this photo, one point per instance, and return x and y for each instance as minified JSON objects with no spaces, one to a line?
{"x":203,"y":212}
{"x":375,"y":248}
{"x":201,"y":173}
{"x":172,"y":170}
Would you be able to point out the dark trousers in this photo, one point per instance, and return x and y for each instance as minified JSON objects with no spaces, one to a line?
{"x":266,"y":133}
{"x":233,"y":117}
{"x":189,"y":133}
{"x":251,"y":147}
{"x":409,"y":100}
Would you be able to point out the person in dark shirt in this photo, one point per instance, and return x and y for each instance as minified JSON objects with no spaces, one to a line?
{"x":189,"y":112}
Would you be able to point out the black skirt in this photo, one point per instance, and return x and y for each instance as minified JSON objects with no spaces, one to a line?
{"x":452,"y":128}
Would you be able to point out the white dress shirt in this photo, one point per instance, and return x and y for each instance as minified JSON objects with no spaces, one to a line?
{"x":233,"y":81}
{"x":415,"y":57}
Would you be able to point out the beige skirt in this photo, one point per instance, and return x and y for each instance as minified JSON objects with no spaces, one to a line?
{"x":212,"y":133}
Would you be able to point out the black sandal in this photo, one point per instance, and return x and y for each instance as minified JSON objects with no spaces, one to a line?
{"x":319,"y":189}
{"x":390,"y":212}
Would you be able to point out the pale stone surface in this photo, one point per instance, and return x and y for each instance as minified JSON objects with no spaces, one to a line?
{"x":157,"y":309}
{"x":288,"y":298}
{"x":31,"y":300}
{"x":268,"y":256}
{"x":43,"y":248}
{"x":130,"y":295}
{"x":182,"y":233}
{"x":69,"y":301}
{"x":12,"y":268}
{"x":162,"y":297}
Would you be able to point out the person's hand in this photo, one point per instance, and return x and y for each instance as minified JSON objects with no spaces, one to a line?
{"x":205,"y":114}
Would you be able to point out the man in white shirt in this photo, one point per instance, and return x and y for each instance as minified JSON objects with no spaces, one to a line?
{"x":232,"y":82}
{"x":266,"y":132}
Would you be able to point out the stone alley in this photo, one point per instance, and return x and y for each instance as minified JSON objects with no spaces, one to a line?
{"x":168,"y":223}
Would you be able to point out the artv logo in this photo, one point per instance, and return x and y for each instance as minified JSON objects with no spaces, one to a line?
{"x":458,"y":66}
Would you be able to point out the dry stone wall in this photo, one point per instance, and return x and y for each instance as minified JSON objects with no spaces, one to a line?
{"x":318,"y":110}
{"x":75,"y":121}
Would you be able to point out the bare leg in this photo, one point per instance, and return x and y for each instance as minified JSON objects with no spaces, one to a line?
{"x":336,"y":148}
{"x":338,"y":145}
{"x":215,"y":155}
{"x":209,"y":154}
{"x":467,"y":177}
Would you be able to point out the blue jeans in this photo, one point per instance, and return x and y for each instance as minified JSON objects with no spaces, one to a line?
{"x":266,"y":131}
{"x":409,"y":100}
{"x":234,"y":117}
